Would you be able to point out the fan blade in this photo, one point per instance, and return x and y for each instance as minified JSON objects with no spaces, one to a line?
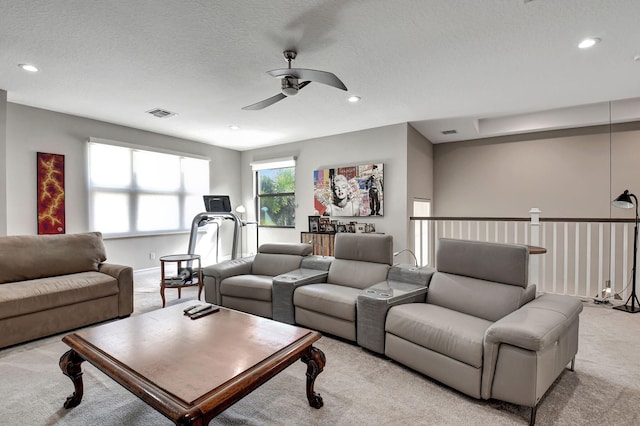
{"x":323,"y":77}
{"x":263,"y":104}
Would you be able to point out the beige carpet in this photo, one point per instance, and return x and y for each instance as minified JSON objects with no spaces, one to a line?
{"x":358,"y":387}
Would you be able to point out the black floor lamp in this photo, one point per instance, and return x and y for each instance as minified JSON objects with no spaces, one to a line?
{"x":624,"y":202}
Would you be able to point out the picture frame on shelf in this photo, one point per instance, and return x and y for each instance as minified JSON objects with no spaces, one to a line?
{"x":324,"y":224}
{"x":314,"y":223}
{"x":360,"y":228}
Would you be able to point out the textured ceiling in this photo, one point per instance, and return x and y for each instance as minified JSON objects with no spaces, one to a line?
{"x":476,"y":66}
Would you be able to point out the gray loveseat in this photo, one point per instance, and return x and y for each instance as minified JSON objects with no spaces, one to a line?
{"x":54,"y":283}
{"x":246,"y":284}
{"x":481,"y":330}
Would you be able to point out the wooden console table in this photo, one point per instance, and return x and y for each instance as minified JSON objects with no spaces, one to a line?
{"x":322,"y":243}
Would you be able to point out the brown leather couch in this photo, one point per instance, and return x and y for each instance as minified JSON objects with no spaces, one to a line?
{"x":54,"y":283}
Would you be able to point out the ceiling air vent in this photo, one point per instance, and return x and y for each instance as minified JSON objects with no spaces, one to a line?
{"x":449,"y":132}
{"x":161,"y":113}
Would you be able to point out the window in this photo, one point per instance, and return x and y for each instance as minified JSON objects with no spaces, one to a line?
{"x":275,"y":190}
{"x":134,"y":191}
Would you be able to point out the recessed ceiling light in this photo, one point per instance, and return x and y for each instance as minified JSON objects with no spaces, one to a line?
{"x":588,"y":42}
{"x":353,"y":99}
{"x":234,"y":127}
{"x":28,"y":67}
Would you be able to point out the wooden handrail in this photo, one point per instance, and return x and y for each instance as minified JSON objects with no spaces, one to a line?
{"x":521,"y":219}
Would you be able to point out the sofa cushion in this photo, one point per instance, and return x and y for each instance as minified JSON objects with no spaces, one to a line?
{"x":450,"y":333}
{"x":375,"y":248}
{"x":484,"y":299}
{"x":257,"y":287}
{"x":275,"y":264}
{"x":332,"y":300}
{"x":503,"y":263}
{"x":28,"y":257}
{"x":357,"y":274}
{"x":25,"y":297}
{"x":298,"y":249}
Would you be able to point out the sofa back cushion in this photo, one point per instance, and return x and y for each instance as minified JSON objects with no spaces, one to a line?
{"x":483,"y":299}
{"x":502,"y":263}
{"x":27,"y":257}
{"x":376,"y":248}
{"x":361,"y":260}
{"x":277,"y":258}
{"x":357,"y":274}
{"x":486,"y":280}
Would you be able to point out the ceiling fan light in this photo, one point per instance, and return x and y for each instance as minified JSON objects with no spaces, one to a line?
{"x":289,"y":86}
{"x":289,"y":91}
{"x":353,"y":99}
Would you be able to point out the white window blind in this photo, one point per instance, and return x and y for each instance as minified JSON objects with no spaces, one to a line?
{"x":134,"y":191}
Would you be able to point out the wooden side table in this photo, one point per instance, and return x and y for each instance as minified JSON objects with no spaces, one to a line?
{"x":173,"y":281}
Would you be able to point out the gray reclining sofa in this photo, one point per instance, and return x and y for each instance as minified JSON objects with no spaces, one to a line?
{"x":246,"y":284}
{"x":361,"y":261}
{"x":481,"y":330}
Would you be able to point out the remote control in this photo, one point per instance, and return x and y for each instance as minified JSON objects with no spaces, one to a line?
{"x":185,"y":310}
{"x":208,"y":311}
{"x":198,"y":309}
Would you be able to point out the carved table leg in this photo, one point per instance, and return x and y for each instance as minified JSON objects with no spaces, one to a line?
{"x":315,"y":360}
{"x":70,"y":366}
{"x":162,"y":295}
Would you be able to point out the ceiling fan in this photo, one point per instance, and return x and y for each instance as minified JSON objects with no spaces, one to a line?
{"x":291,"y":81}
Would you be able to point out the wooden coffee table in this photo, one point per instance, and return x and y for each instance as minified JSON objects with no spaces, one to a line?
{"x":192,"y":370}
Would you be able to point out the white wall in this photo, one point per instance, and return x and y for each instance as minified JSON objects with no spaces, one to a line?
{"x":31,"y":130}
{"x":386,"y":145}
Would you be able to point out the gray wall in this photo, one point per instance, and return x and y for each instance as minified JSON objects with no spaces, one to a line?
{"x":4,"y":160}
{"x":566,"y":173}
{"x":31,"y":130}
{"x":386,"y":145}
{"x":419,"y":168}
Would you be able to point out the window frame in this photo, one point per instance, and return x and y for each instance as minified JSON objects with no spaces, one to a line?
{"x":276,"y":164}
{"x":134,"y":192}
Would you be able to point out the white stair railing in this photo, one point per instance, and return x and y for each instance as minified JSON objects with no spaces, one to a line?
{"x":583,"y":256}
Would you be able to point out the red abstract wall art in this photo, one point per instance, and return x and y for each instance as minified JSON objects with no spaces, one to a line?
{"x":51,"y":219}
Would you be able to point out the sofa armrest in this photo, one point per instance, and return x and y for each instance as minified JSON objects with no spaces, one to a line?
{"x":410,"y":274}
{"x":124,"y":277}
{"x":372,"y":306}
{"x":537,"y":324}
{"x":214,"y":274}
{"x":284,"y":286}
{"x":535,"y":327}
{"x":321,"y":263}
